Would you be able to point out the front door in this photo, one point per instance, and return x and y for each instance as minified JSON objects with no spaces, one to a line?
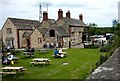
{"x":28,"y":42}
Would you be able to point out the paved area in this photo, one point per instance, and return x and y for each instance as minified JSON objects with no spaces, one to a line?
{"x":108,"y":71}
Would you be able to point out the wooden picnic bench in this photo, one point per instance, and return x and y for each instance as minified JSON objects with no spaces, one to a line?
{"x":42,"y":51}
{"x":15,"y":60}
{"x":12,"y":70}
{"x":8,"y":72}
{"x":28,"y":54}
{"x":37,"y":61}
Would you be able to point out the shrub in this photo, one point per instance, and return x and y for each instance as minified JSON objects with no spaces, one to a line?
{"x":105,"y":48}
{"x":103,"y":58}
{"x":91,"y":46}
{"x":97,"y":64}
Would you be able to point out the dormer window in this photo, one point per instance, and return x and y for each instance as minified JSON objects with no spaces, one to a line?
{"x":9,"y":31}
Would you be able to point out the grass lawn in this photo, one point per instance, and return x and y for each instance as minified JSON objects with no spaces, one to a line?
{"x":80,"y":63}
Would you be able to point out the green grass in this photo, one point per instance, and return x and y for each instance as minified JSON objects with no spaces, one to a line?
{"x":80,"y":63}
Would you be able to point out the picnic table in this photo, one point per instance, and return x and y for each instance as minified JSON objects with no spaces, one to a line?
{"x":43,"y":61}
{"x":14,"y":60}
{"x":29,"y":54}
{"x":12,"y":70}
{"x":60,"y":55}
{"x":42,"y":50}
{"x":63,"y":53}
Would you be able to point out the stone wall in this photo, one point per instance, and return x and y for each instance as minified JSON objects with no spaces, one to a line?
{"x":109,"y":70}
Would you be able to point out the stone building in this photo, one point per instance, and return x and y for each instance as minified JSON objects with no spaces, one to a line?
{"x":46,"y":22}
{"x":37,"y":37}
{"x":65,"y":31}
{"x":56,"y":35}
{"x":74,"y":27}
{"x":16,"y":32}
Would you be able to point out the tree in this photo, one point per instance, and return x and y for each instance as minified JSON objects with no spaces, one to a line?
{"x":92,"y":25}
{"x":118,"y":34}
{"x":92,"y":28}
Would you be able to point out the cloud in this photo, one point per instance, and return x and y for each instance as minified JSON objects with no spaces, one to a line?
{"x":70,"y":5}
{"x":23,"y":11}
{"x":113,"y":6}
{"x":98,"y":11}
{"x":43,"y":4}
{"x":5,"y":2}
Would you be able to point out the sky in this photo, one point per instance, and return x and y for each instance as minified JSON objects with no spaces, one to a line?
{"x":101,"y":12}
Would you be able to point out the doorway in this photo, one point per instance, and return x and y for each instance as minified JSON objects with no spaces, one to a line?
{"x":28,"y":42}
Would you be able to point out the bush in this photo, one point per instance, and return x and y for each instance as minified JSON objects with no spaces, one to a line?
{"x":105,"y":48}
{"x":97,"y":64}
{"x":91,"y":46}
{"x":103,"y":58}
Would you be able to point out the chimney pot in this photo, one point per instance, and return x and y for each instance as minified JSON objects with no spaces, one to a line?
{"x":60,"y":9}
{"x":68,"y":14}
{"x":45,"y":16}
{"x":81,"y":17}
{"x":60,"y":14}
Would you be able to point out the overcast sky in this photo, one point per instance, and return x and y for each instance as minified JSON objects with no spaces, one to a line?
{"x":101,"y":12}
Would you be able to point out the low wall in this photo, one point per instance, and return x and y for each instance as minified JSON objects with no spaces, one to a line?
{"x":109,"y":70}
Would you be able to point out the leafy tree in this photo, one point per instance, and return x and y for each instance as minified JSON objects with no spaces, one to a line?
{"x":92,"y":28}
{"x":118,"y":34}
{"x":92,"y":25}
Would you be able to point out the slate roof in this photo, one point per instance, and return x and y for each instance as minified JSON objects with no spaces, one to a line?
{"x":51,"y":21}
{"x":42,"y":30}
{"x":27,"y":34}
{"x":24,"y":23}
{"x":9,"y":38}
{"x":74,"y":22}
{"x":61,"y":31}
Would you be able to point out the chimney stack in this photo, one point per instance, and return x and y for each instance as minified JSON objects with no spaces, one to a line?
{"x":60,"y":14}
{"x":68,"y":14}
{"x":81,"y":17}
{"x":45,"y":16}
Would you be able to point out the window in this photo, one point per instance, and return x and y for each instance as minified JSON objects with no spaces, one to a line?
{"x":72,"y":29}
{"x":80,"y":33}
{"x":73,"y":39}
{"x":73,"y":33}
{"x":52,"y":33}
{"x":9,"y":31}
{"x":65,"y":39}
{"x":39,"y":40}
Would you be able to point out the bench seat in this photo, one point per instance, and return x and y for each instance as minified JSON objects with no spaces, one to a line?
{"x":24,"y":69}
{"x":7,"y":72}
{"x":10,"y":73}
{"x":37,"y":62}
